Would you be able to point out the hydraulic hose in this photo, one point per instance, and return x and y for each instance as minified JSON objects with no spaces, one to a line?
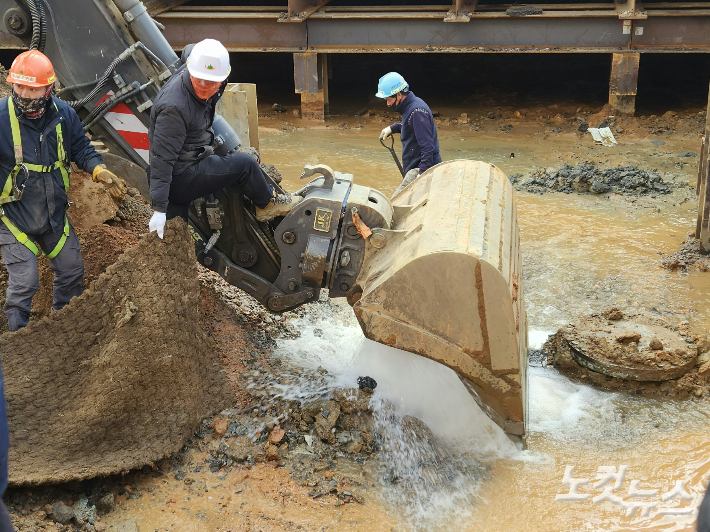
{"x":111,"y":102}
{"x":106,"y":76}
{"x":36,"y":25}
{"x":43,"y":26}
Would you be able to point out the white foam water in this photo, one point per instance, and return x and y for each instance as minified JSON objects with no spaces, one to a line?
{"x":429,"y":478}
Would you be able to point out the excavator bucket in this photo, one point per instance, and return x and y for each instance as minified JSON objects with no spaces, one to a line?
{"x":444,"y":282}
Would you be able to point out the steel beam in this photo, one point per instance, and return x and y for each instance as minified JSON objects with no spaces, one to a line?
{"x":408,"y":32}
{"x":461,"y":11}
{"x":674,"y":33}
{"x":300,"y":10}
{"x":237,"y":33}
{"x":512,"y":34}
{"x":632,"y":9}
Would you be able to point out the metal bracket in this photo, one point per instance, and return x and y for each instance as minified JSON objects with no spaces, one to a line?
{"x":300,"y":10}
{"x":283,"y":302}
{"x":461,"y":11}
{"x":631,"y":10}
{"x":133,"y":13}
{"x":326,"y":171}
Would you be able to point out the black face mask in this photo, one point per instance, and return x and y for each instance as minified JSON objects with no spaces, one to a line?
{"x":31,"y":107}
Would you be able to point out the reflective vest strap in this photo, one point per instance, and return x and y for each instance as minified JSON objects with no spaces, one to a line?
{"x":17,"y":143}
{"x":21,"y":237}
{"x":61,"y":242}
{"x":15,"y":127}
{"x":61,"y":155}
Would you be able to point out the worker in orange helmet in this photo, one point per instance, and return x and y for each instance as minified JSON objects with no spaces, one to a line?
{"x":40,"y":136}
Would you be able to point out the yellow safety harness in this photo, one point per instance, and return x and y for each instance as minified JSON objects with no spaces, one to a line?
{"x":12,"y":192}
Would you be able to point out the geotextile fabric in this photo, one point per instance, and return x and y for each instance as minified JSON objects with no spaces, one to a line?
{"x":120,"y":377}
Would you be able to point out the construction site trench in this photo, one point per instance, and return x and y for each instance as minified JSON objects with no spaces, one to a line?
{"x":256,"y":421}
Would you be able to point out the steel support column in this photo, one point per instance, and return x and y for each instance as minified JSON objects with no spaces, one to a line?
{"x":702,"y":230}
{"x":623,"y":82}
{"x":311,"y":82}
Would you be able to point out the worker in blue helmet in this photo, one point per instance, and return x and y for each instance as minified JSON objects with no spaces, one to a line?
{"x":420,"y":143}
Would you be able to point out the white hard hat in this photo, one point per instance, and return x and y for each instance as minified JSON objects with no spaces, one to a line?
{"x":209,"y":60}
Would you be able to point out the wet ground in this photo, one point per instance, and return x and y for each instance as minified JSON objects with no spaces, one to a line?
{"x":581,"y":253}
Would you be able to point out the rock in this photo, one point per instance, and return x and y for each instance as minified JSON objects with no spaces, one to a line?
{"x":556,"y":129}
{"x":278,"y":108}
{"x":434,"y":113}
{"x":688,"y":154}
{"x":704,"y":369}
{"x":309,"y":440}
{"x":491,"y":116}
{"x":325,"y":421}
{"x":417,"y":429}
{"x":627,"y":337}
{"x":366,"y":383}
{"x":125,"y":526}
{"x":352,"y":400}
{"x":361,"y":112}
{"x":106,"y":503}
{"x":61,"y":513}
{"x":276,"y":435}
{"x":603,"y":123}
{"x":360,"y":421}
{"x":132,"y":191}
{"x":655,"y":344}
{"x":583,"y":128}
{"x":48,"y":509}
{"x":258,"y":454}
{"x":272,"y":452}
{"x":698,"y":391}
{"x":297,"y":112}
{"x":613,"y":314}
{"x":311,"y":408}
{"x":100,"y":527}
{"x":703,"y":344}
{"x":464,"y":115}
{"x":220,"y":425}
{"x":84,"y":513}
{"x":238,"y":449}
{"x":657,"y":142}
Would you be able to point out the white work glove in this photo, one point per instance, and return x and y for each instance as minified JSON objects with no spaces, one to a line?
{"x":157,"y":223}
{"x":386,"y":132}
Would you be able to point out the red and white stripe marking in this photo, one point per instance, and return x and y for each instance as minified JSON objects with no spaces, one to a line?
{"x":129,"y":127}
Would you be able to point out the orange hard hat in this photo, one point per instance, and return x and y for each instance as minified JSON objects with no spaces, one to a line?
{"x":32,"y":68}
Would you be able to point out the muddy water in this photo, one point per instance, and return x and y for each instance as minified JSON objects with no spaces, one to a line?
{"x":581,"y":254}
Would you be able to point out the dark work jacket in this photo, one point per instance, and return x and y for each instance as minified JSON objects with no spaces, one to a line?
{"x":43,"y":205}
{"x":180,"y":126}
{"x":420,"y":143}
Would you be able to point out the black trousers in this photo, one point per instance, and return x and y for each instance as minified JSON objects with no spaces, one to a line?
{"x":5,"y":521}
{"x":213,"y":173}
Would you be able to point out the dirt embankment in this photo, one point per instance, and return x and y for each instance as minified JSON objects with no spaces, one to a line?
{"x":639,"y":353}
{"x":688,"y":258}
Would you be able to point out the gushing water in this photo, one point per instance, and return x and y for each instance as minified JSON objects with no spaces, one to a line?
{"x":436,"y":441}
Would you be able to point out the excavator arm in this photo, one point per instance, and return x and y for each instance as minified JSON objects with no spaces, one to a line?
{"x":436,"y":271}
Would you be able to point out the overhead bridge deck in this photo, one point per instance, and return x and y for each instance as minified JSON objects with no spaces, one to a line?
{"x":570,"y":27}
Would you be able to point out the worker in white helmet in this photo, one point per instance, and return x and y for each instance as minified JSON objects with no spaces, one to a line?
{"x":183,"y":166}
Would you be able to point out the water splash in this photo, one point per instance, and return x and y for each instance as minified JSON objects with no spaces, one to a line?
{"x":436,"y":441}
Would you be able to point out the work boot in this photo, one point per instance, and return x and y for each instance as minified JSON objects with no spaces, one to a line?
{"x":280,"y":205}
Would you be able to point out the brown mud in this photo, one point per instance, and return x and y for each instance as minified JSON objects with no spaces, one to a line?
{"x":640,"y":353}
{"x":119,"y":377}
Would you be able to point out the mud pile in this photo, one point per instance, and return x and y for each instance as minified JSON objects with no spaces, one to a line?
{"x":588,"y":179}
{"x":640,"y":353}
{"x":118,"y":378}
{"x":688,"y":256}
{"x":5,"y":87}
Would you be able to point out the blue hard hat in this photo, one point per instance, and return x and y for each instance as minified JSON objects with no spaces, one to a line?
{"x":390,"y":84}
